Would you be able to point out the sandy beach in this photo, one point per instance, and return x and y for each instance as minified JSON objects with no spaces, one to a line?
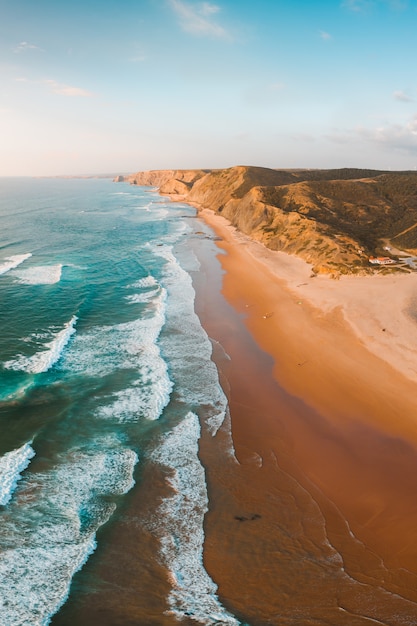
{"x":332,"y":329}
{"x":314,"y":520}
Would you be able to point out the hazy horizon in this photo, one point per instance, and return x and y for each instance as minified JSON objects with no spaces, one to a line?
{"x":93,"y":87}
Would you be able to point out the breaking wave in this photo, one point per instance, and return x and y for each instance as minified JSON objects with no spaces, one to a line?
{"x":12,"y":464}
{"x":130,"y":346}
{"x":179,"y":524}
{"x":41,"y":275}
{"x":50,"y":531}
{"x":13,"y":261}
{"x":195,"y":373}
{"x":42,"y":361}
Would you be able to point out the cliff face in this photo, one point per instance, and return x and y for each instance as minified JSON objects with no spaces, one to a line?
{"x":333,"y":219}
{"x":157,"y":178}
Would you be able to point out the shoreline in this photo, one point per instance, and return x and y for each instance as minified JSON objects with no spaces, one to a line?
{"x":323,"y":427}
{"x":317,"y":331}
{"x":366,"y":302}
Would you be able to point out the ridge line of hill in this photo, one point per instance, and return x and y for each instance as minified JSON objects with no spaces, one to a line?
{"x":336,"y":220}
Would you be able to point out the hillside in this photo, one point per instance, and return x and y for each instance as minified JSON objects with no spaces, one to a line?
{"x":334,"y":219}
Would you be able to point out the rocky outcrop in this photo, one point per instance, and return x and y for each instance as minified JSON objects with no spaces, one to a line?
{"x":175,"y":187}
{"x":335,"y":224}
{"x":157,"y":178}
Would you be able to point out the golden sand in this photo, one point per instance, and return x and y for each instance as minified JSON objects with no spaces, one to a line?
{"x":315,"y":522}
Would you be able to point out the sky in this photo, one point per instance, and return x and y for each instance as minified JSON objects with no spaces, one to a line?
{"x":94,"y":87}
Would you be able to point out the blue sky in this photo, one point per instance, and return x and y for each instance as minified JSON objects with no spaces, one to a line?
{"x":92,"y":87}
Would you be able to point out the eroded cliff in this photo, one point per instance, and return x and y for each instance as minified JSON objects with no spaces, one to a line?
{"x":333,"y":219}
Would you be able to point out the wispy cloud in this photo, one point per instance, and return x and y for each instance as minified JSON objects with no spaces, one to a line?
{"x":67,"y":90}
{"x":58,"y":88}
{"x":324,"y":35}
{"x":198,"y":19}
{"x":24,"y":46}
{"x":401,"y":137}
{"x":393,"y":137}
{"x":401,"y":96}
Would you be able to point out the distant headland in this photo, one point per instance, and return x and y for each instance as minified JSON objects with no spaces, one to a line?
{"x":341,"y":221}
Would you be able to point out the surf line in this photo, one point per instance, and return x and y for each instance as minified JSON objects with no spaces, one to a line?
{"x":42,"y":361}
{"x":12,"y":464}
{"x":179,"y":524}
{"x":13,"y":261}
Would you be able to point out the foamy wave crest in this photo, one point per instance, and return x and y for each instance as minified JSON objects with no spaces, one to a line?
{"x":147,"y":281}
{"x":146,"y":296}
{"x":128,"y":346}
{"x":188,"y":347}
{"x":13,"y":261}
{"x":12,"y":464}
{"x":42,"y":361}
{"x":105,"y":348}
{"x":148,"y":395}
{"x":52,"y":530}
{"x":42,"y":275}
{"x":150,"y":284}
{"x":179,"y":524}
{"x":137,"y":298}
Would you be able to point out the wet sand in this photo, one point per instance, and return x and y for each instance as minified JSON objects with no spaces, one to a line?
{"x":315,"y":519}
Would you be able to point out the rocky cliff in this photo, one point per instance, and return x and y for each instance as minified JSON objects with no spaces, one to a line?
{"x":333,"y":219}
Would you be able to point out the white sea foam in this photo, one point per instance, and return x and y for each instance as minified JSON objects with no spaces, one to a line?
{"x":137,"y":298}
{"x":50,"y":532}
{"x":161,"y":213}
{"x":179,"y":524}
{"x":12,"y":464}
{"x":41,"y":275}
{"x":188,"y":347}
{"x":147,"y":397}
{"x":128,"y":346}
{"x":11,"y":262}
{"x":43,"y":360}
{"x":147,"y":281}
{"x":103,"y":348}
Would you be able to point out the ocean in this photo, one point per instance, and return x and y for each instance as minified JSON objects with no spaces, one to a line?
{"x":106,"y":379}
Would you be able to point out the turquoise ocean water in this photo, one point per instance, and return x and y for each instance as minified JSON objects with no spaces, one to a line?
{"x":104,"y":367}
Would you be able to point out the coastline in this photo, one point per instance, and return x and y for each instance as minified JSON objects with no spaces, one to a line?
{"x":323,"y":333}
{"x":371,"y":305}
{"x":323,"y":423}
